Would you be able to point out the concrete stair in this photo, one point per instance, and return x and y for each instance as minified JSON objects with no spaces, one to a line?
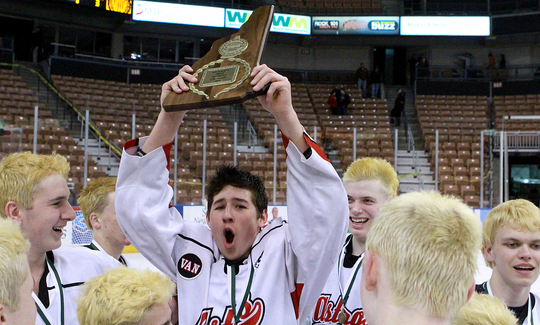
{"x":414,"y":179}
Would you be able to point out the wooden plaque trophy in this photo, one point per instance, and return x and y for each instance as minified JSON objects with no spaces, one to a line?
{"x":224,"y":72}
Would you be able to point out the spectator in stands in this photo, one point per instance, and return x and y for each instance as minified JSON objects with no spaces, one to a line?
{"x":511,"y":248}
{"x":399,"y":106}
{"x":97,"y":205}
{"x":332,"y":101}
{"x":420,"y":260}
{"x":361,"y":76}
{"x":16,"y":304}
{"x":484,"y":310}
{"x":502,"y":62}
{"x":342,"y":100}
{"x":36,"y":44}
{"x":376,"y":80}
{"x":491,"y":61}
{"x":126,"y":296}
{"x":423,"y":67}
{"x":34,"y":194}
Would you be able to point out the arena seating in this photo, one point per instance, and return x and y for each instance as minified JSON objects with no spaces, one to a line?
{"x":112,"y":104}
{"x":514,"y":106}
{"x":459,"y":120}
{"x":17,"y":111}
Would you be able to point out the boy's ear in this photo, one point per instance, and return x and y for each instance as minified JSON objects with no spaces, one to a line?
{"x":13,"y":212}
{"x":370,"y":267}
{"x":488,"y":254}
{"x":263,"y":218}
{"x":94,"y":221}
{"x":471,"y":291}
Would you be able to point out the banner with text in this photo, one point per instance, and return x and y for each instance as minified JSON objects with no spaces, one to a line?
{"x":365,"y":25}
{"x":445,"y":26}
{"x":173,"y":13}
{"x":282,"y":23}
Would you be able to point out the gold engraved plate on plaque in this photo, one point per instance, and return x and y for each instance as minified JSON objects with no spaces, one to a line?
{"x":219,"y":76}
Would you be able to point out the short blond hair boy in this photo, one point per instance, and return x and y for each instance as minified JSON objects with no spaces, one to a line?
{"x":519,"y":214}
{"x":424,"y":246}
{"x":16,"y":303}
{"x":373,"y":168}
{"x":21,"y":173}
{"x":125,"y":296}
{"x":95,"y":197}
{"x":485,"y":310}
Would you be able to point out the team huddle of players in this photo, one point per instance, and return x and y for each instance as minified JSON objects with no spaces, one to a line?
{"x":407,"y":259}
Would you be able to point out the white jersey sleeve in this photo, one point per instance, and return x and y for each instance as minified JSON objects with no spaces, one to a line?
{"x":143,"y":209}
{"x":317,"y":210}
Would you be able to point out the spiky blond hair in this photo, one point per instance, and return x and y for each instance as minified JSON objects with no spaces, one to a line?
{"x":429,"y":244}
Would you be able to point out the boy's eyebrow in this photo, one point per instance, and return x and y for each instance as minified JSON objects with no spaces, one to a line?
{"x":60,"y":197}
{"x":234,"y":199}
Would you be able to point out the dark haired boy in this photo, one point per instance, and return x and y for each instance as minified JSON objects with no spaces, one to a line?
{"x":235,"y":272}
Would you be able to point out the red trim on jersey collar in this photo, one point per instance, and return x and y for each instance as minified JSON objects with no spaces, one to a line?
{"x":310,"y":142}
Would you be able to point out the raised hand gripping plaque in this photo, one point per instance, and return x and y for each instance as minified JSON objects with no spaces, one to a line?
{"x":224,"y":72}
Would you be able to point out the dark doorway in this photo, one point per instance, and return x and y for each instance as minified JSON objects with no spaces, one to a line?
{"x":393,"y":63}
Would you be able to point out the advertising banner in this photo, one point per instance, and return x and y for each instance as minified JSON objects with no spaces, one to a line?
{"x":173,"y":13}
{"x":445,"y":26}
{"x":364,"y":25}
{"x":282,"y":23}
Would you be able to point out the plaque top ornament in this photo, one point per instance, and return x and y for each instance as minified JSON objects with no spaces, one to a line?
{"x":233,"y":48}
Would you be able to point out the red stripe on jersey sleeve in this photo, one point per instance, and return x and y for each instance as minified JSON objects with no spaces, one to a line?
{"x":310,"y":142}
{"x":295,"y":296}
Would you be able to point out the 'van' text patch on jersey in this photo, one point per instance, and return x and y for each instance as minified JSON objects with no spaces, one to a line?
{"x":189,"y":266}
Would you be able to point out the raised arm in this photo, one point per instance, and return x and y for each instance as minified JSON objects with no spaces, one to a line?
{"x":167,"y":123}
{"x":278,"y":102}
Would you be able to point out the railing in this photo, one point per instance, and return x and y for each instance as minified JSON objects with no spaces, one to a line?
{"x":252,"y":134}
{"x":452,"y":73}
{"x":75,"y":116}
{"x":518,"y":141}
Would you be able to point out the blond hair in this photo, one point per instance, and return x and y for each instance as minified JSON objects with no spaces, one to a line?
{"x":485,"y":310}
{"x":122,"y":296}
{"x":519,"y":214}
{"x":373,"y":168}
{"x":429,"y":243}
{"x":95,"y":197}
{"x":21,"y":173}
{"x":13,"y":263}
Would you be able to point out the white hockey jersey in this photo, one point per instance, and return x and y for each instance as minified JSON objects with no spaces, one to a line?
{"x":533,"y":309}
{"x":74,"y":266}
{"x":330,"y":304}
{"x":288,"y":263}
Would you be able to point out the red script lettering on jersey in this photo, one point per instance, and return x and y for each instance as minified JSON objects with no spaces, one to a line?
{"x":327,"y":311}
{"x":253,"y":314}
